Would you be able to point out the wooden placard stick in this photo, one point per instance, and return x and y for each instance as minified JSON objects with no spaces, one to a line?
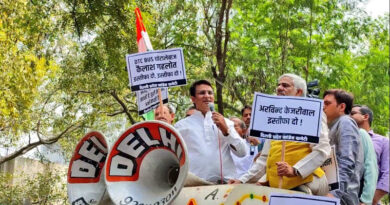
{"x":160,"y":100}
{"x":281,"y":177}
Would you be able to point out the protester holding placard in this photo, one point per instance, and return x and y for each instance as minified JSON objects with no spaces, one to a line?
{"x":363,"y":116}
{"x":344,"y":134}
{"x":165,"y":113}
{"x":210,"y":138}
{"x":301,"y":168}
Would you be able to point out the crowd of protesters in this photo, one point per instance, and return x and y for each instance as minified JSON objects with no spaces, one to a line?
{"x":220,"y":150}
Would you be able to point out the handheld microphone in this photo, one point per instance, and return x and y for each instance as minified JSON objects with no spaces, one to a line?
{"x":211,"y":107}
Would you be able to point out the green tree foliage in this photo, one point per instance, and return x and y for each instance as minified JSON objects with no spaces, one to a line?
{"x":64,"y":60}
{"x":327,"y":40}
{"x":364,"y":69}
{"x":30,"y":107}
{"x":64,"y":71}
{"x":25,"y":64}
{"x":43,"y":188}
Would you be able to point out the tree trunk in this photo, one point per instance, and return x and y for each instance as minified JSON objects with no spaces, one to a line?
{"x":221,"y":40}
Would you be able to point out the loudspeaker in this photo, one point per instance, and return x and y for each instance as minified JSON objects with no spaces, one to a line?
{"x":147,"y":165}
{"x":86,"y":183}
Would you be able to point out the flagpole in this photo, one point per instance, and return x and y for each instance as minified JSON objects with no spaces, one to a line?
{"x":144,"y":45}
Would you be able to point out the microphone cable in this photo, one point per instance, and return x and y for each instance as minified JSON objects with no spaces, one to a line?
{"x":211,"y":107}
{"x":220,"y":157}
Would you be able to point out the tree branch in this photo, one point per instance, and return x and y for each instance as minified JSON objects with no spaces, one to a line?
{"x":227,"y":105}
{"x":227,"y":37}
{"x":115,"y":113}
{"x":124,"y":107}
{"x":83,"y":91}
{"x":31,"y":146}
{"x":238,"y":95}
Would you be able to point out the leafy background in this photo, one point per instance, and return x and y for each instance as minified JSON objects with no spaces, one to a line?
{"x":63,"y":61}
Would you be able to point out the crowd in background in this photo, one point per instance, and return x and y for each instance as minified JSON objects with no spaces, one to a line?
{"x":220,"y":149}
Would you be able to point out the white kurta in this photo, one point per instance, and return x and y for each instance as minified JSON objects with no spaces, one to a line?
{"x":201,"y":137}
{"x":244,"y":163}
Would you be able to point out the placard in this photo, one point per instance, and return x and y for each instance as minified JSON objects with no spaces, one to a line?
{"x":331,"y":170}
{"x":302,"y":199}
{"x":287,"y":118}
{"x":156,"y":69}
{"x":147,"y":100}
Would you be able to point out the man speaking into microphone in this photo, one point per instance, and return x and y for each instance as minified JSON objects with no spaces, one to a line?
{"x":210,"y":137}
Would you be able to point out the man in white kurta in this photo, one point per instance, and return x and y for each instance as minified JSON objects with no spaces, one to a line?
{"x":243,"y":163}
{"x":210,"y":138}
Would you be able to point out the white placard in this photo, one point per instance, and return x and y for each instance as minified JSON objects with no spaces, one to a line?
{"x":331,"y":170}
{"x":156,"y":69}
{"x":286,"y":118}
{"x":302,"y":199}
{"x":147,"y":100}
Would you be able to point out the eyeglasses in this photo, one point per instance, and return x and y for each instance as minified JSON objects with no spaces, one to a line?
{"x":203,"y":92}
{"x":285,"y":85}
{"x":354,"y":113}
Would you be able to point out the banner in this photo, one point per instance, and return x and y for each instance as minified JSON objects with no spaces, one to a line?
{"x":286,"y":118}
{"x":156,"y":69}
{"x":147,"y":100}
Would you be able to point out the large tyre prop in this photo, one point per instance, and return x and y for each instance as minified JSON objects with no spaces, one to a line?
{"x":147,"y":165}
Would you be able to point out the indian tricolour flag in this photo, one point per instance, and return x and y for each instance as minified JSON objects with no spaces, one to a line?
{"x":143,"y":40}
{"x":144,"y":45}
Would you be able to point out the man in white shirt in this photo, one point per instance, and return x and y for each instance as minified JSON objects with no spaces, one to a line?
{"x":210,"y":138}
{"x":243,"y":163}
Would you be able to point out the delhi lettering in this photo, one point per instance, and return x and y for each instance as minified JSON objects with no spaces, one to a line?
{"x":135,"y":145}
{"x":92,"y":153}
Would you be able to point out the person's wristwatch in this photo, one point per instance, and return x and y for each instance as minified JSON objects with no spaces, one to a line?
{"x":227,"y":133}
{"x":296,"y":172}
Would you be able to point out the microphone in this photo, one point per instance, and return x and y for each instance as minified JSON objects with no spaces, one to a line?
{"x":211,"y":107}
